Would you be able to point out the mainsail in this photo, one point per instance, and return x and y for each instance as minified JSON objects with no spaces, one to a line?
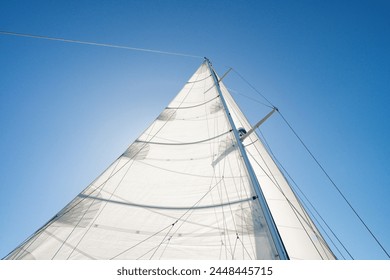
{"x":185,"y":190}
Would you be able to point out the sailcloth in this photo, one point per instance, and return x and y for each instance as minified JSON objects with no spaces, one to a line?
{"x":182,"y":191}
{"x":300,"y":236}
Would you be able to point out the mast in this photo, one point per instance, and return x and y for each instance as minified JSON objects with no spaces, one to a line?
{"x":255,"y":183}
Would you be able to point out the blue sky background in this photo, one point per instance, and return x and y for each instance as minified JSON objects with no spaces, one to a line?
{"x":68,"y":110}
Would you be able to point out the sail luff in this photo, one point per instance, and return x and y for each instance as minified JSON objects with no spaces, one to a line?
{"x":282,"y":254}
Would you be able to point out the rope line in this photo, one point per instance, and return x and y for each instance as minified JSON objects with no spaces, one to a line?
{"x":250,"y":98}
{"x":335,"y":186}
{"x":142,"y":241}
{"x":10,"y":33}
{"x":249,"y":84}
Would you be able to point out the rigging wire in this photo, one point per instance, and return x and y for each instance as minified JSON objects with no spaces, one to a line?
{"x":250,"y":98}
{"x":335,"y":186}
{"x":319,"y":165}
{"x":10,"y":33}
{"x":250,"y":85}
{"x":279,"y":164}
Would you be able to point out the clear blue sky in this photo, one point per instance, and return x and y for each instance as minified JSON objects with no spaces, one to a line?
{"x":68,"y":110}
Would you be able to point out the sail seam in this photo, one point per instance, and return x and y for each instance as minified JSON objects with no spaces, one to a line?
{"x":187,"y":143}
{"x":201,"y":80}
{"x":194,"y":106}
{"x":132,"y":204}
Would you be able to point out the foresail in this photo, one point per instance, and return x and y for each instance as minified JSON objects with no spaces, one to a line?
{"x":300,"y":236}
{"x":180,"y":191}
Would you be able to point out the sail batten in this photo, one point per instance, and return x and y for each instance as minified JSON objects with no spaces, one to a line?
{"x":182,"y":190}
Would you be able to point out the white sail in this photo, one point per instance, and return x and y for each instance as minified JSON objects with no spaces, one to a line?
{"x":182,"y":191}
{"x":299,"y":234}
